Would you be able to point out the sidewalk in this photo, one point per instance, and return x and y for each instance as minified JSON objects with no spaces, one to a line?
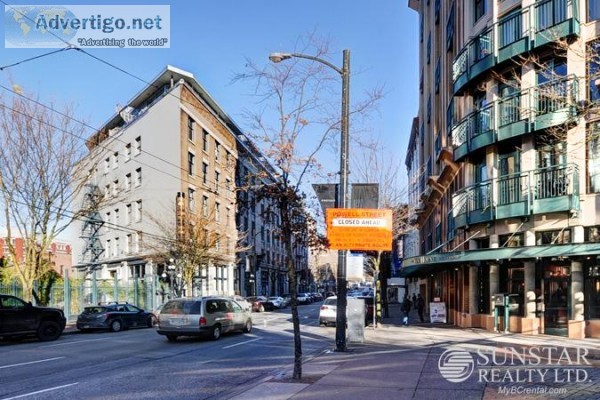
{"x":398,"y":362}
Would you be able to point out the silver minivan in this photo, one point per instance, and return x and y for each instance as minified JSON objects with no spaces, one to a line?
{"x":205,"y":316}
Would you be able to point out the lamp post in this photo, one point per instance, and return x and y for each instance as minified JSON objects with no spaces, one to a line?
{"x":340,"y":320}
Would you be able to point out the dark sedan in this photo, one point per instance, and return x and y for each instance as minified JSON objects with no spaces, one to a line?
{"x":260,"y":304}
{"x":115,"y":317}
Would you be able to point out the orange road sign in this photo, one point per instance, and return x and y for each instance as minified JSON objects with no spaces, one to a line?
{"x":359,"y":229}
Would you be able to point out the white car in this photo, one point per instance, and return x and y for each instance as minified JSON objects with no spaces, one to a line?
{"x":246,"y":305}
{"x":278,"y":302}
{"x":328,"y":311}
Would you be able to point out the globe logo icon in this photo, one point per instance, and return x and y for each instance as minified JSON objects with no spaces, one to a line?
{"x":27,"y":26}
{"x":456,"y":365}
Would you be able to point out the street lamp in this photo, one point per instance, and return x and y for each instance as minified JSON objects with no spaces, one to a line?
{"x":340,"y":320}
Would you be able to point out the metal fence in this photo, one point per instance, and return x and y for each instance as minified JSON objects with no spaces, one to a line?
{"x":73,"y":295}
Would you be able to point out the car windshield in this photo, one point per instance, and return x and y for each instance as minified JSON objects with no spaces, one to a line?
{"x":181,"y":307}
{"x":94,"y":310}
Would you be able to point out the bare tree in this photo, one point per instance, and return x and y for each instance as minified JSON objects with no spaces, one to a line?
{"x":39,"y":152}
{"x":297,"y":119}
{"x":195,"y":240}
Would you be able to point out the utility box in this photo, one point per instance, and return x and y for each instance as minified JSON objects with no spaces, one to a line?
{"x":355,"y":316}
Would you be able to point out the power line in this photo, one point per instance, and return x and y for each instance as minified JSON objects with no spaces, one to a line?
{"x":34,"y":58}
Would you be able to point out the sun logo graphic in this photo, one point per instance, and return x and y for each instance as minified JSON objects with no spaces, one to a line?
{"x":456,"y":365}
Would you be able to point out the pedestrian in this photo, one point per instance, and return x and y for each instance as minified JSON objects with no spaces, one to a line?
{"x":414,"y":299}
{"x":421,"y":307}
{"x":406,"y":305}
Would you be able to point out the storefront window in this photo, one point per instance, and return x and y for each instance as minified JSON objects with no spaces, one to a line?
{"x":592,"y":292}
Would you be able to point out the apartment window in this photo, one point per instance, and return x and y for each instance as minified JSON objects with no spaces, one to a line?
{"x":451,"y":226}
{"x":204,"y":173}
{"x":115,"y":187}
{"x":228,"y":158}
{"x":128,"y":214}
{"x":191,"y":162}
{"x":106,"y":164}
{"x":593,"y":10}
{"x":117,"y":247}
{"x":217,"y":179}
{"x":107,"y":190}
{"x":138,"y":145}
{"x":127,"y":151}
{"x":128,"y":181}
{"x":480,"y":9}
{"x":429,"y":108}
{"x":108,"y":217}
{"x":553,"y":237}
{"x":218,"y":242}
{"x":437,"y":11}
{"x":437,"y":76}
{"x":191,"y":199}
{"x":228,"y":184}
{"x":138,"y":241}
{"x":450,"y":29}
{"x":117,"y":217}
{"x":218,"y":212}
{"x":138,"y":176}
{"x":205,"y":206}
{"x":116,"y":159}
{"x":108,"y":248}
{"x":217,"y":151}
{"x":190,"y":128}
{"x":593,"y":157}
{"x":204,"y":140}
{"x":421,"y":27}
{"x":512,"y":240}
{"x":429,"y":49}
{"x":129,"y":244}
{"x":593,"y":73}
{"x":591,"y":234}
{"x":138,"y":211}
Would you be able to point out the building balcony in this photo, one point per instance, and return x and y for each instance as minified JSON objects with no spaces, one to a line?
{"x":544,"y":106}
{"x":540,"y":191}
{"x":513,"y":35}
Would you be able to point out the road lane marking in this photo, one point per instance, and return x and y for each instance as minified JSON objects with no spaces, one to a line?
{"x":238,"y":344}
{"x":40,"y":391}
{"x":31,"y":362}
{"x":75,"y":342}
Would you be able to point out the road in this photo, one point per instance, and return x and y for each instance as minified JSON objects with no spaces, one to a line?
{"x":140,"y":364}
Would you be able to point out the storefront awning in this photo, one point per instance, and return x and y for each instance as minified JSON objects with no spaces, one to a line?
{"x":428,"y":263}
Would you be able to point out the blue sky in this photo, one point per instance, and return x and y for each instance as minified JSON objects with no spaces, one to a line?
{"x":212,"y":39}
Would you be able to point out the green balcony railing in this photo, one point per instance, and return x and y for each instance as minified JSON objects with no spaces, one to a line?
{"x":547,"y":105}
{"x":544,"y":190}
{"x":514,"y":34}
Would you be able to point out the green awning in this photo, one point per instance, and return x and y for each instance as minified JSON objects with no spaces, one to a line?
{"x":430,"y":262}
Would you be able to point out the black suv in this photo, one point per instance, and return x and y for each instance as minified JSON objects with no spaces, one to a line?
{"x":114,"y":316}
{"x":19,"y":318}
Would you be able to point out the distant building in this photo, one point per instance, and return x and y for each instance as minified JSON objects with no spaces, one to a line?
{"x":59,"y":254}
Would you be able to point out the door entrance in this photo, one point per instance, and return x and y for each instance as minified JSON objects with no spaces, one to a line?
{"x":556,"y":300}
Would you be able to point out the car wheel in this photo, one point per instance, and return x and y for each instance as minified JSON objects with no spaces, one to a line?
{"x":216,"y":332}
{"x":116,"y":325}
{"x":261,"y":308}
{"x":247,"y":327}
{"x":150,"y":322}
{"x":48,"y":330}
{"x":172,"y":338}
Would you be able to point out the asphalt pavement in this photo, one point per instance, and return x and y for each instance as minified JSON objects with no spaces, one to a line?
{"x":439,"y":361}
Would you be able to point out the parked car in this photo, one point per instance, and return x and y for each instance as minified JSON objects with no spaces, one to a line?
{"x":115,"y":317}
{"x":328,"y":311}
{"x":260,"y":303}
{"x":19,"y":318}
{"x":205,"y":316}
{"x":246,"y":305}
{"x":277,"y":301}
{"x":304,"y":298}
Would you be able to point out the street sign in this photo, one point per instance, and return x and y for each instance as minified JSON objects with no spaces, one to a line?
{"x":359,"y":229}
